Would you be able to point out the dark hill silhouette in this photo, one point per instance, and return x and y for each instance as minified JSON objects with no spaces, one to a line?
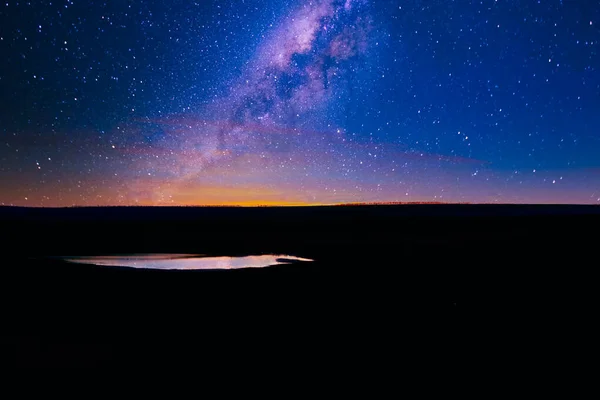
{"x":405,"y":280}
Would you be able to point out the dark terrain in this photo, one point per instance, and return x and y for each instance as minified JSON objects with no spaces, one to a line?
{"x":409,"y":283}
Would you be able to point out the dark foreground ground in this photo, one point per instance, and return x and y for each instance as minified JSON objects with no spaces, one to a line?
{"x":414,"y":286}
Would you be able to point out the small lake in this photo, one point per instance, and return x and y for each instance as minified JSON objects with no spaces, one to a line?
{"x":185,"y":261}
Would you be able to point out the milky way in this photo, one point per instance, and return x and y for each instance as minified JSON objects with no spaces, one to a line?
{"x":282,"y":105}
{"x":299,"y":102}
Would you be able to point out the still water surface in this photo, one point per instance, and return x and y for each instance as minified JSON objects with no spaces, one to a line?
{"x":185,"y":261}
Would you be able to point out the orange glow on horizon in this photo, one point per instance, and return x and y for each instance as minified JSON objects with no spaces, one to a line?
{"x":256,"y":203}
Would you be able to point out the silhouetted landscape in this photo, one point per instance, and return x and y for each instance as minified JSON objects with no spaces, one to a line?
{"x":399,"y":280}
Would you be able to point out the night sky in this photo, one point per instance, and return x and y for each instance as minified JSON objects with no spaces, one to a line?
{"x":248,"y":102}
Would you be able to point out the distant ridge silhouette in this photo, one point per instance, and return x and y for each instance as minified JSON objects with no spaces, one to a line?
{"x":356,"y":204}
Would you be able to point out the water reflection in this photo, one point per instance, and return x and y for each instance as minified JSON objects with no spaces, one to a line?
{"x":185,"y":261}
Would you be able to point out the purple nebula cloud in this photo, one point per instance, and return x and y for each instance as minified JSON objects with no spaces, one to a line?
{"x":285,"y":90}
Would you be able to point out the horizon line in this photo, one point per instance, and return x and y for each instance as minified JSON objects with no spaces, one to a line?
{"x":352,"y":204}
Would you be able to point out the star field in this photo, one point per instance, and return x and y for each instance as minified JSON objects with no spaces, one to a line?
{"x":299,"y":102}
